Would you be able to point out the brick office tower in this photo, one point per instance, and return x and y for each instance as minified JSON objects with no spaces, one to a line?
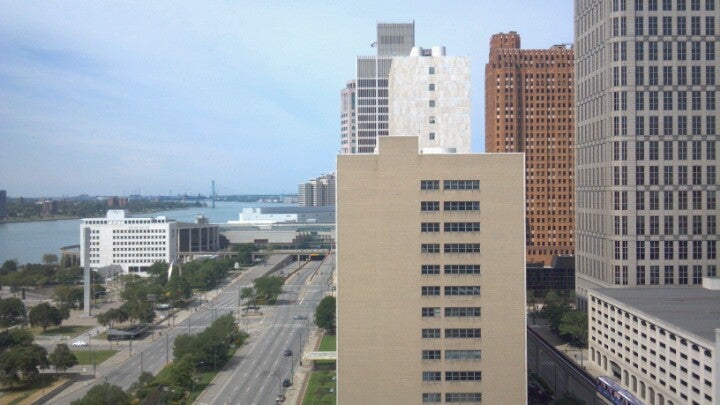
{"x":529,"y":108}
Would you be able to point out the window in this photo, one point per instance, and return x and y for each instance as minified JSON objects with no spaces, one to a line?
{"x":462,"y":333}
{"x":429,"y":184}
{"x":640,"y":275}
{"x":695,"y":50}
{"x":709,"y":25}
{"x":431,"y":136}
{"x":652,"y":25}
{"x":431,"y":355}
{"x":682,"y":274}
{"x":640,"y":175}
{"x":463,"y":376}
{"x":462,"y":248}
{"x":431,"y":119}
{"x":463,"y":354}
{"x":430,"y":269}
{"x":429,"y":206}
{"x":639,"y":26}
{"x":462,"y":226}
{"x":431,"y":397}
{"x":430,"y":312}
{"x":667,"y":175}
{"x":430,"y":227}
{"x":640,"y":200}
{"x":668,"y":226}
{"x":667,"y":50}
{"x":682,"y":150}
{"x":654,"y":275}
{"x":654,"y":176}
{"x":697,"y":274}
{"x":430,"y":290}
{"x":430,"y":248}
{"x":681,"y":25}
{"x":431,"y":87}
{"x":452,"y":397}
{"x":682,"y":75}
{"x":669,"y":275}
{"x":431,"y":70}
{"x":667,"y":25}
{"x":695,"y":25}
{"x":431,"y":103}
{"x":462,"y":205}
{"x":462,"y":312}
{"x":462,"y":269}
{"x":431,"y":376}
{"x":681,"y":48}
{"x":653,"y":55}
{"x":462,"y":290}
{"x":668,"y":199}
{"x":430,"y":333}
{"x":696,"y":150}
{"x":461,"y":184}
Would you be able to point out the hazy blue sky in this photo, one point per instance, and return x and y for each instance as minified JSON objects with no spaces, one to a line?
{"x":116,"y":97}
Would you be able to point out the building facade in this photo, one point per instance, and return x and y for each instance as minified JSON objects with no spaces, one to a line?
{"x":429,"y":97}
{"x":529,"y":108}
{"x":662,"y":352}
{"x":416,"y":272}
{"x":646,"y":185}
{"x":317,"y":192}
{"x":348,"y":109}
{"x":371,"y":86}
{"x":136,"y":243}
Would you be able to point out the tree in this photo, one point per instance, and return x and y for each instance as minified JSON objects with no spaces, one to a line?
{"x":574,"y":328}
{"x":50,"y":259}
{"x":158,"y":272}
{"x":8,"y":266}
{"x":554,"y":309}
{"x":325,"y":313}
{"x":111,"y":316}
{"x":141,"y":388}
{"x":246,"y":294}
{"x":68,"y":296}
{"x":245,"y":251}
{"x":62,"y":358}
{"x":11,"y":311}
{"x":22,"y":363}
{"x":104,"y":394}
{"x":46,"y":315}
{"x":268,"y":287}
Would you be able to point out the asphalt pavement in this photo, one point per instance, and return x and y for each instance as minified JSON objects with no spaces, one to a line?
{"x":256,"y":373}
{"x":154,"y":351}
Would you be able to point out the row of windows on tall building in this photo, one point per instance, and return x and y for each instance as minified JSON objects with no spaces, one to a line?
{"x":450,"y":206}
{"x":452,"y":376}
{"x":670,"y":150}
{"x":452,"y":397}
{"x":668,"y":225}
{"x":620,"y":50}
{"x":699,"y":100}
{"x":450,"y":248}
{"x":450,"y":184}
{"x":650,"y":250}
{"x":620,"y":25}
{"x":683,"y":275}
{"x":452,"y":312}
{"x":671,"y":76}
{"x":450,"y":290}
{"x":667,"y":5}
{"x":650,"y":200}
{"x":668,"y":123}
{"x":450,"y":227}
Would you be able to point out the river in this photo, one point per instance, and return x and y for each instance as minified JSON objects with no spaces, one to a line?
{"x":26,"y":242}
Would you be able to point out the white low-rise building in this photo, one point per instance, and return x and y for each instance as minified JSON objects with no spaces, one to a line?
{"x":136,"y":243}
{"x":662,"y":344}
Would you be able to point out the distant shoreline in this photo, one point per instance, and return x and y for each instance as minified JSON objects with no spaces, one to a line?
{"x":64,"y":218}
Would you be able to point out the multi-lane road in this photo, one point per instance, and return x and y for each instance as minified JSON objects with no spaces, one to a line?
{"x":255,"y":374}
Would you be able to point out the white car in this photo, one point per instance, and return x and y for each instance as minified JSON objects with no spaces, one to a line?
{"x":79,"y":343}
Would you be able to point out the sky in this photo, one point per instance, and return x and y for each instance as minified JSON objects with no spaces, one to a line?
{"x":123,"y":97}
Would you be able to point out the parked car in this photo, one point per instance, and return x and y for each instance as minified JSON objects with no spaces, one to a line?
{"x":287,"y":352}
{"x":299,"y":317}
{"x":79,"y":343}
{"x":286,"y":382}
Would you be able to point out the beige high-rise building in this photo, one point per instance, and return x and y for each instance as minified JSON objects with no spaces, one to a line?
{"x":426,"y":244}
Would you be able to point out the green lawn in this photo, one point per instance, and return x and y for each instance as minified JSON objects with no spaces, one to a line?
{"x":65,"y":330}
{"x":87,"y":357}
{"x":328,"y":344}
{"x":321,"y":389}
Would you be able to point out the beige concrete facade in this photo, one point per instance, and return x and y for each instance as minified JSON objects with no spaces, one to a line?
{"x":386,"y":303}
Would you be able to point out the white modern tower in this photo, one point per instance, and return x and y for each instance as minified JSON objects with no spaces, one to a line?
{"x":429,"y":98}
